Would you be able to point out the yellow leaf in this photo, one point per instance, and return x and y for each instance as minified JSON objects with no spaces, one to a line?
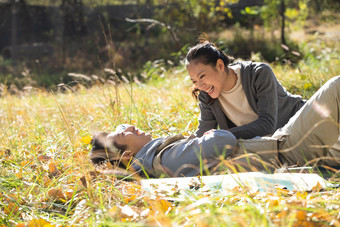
{"x":300,"y":215}
{"x":19,"y":175}
{"x":11,"y":208}
{"x":128,"y":199}
{"x":39,"y":223}
{"x":317,"y":187}
{"x":52,"y":169}
{"x":86,"y":139}
{"x":165,"y":205}
{"x":24,"y":163}
{"x":301,"y":195}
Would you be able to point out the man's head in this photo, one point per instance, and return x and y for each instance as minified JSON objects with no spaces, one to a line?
{"x":123,"y":143}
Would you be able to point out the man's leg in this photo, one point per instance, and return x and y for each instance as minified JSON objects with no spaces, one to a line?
{"x":257,"y":154}
{"x":312,"y":133}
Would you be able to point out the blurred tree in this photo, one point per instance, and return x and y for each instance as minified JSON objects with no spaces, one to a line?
{"x":289,"y":12}
{"x":74,"y":22}
{"x":200,"y":15}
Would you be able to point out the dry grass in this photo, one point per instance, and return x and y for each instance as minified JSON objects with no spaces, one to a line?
{"x":44,"y":164}
{"x":46,"y":177}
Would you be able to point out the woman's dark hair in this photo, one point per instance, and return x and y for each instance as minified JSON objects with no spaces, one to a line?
{"x":207,"y":53}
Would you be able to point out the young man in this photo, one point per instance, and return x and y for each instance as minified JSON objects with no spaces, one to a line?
{"x":173,"y":156}
{"x":310,"y":137}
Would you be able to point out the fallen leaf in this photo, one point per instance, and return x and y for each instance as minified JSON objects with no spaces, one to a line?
{"x":47,"y":181}
{"x":39,"y":223}
{"x":282,"y":214}
{"x":317,"y":187}
{"x":91,"y":176}
{"x":128,"y":199}
{"x":24,"y":163}
{"x":52,"y":169}
{"x":43,"y":158}
{"x":300,"y":215}
{"x":56,"y":194}
{"x":301,"y":195}
{"x":11,"y":208}
{"x":86,"y":139}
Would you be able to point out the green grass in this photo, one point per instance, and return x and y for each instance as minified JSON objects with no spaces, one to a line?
{"x":60,"y":124}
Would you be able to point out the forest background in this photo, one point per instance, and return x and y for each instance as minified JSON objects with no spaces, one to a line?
{"x":44,"y":43}
{"x":71,"y":68}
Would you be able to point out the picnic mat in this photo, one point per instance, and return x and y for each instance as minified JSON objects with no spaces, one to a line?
{"x":254,"y":181}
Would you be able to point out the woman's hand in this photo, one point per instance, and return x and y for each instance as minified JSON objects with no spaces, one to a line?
{"x":208,"y":132}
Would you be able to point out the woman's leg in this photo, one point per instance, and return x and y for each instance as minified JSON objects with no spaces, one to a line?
{"x":312,"y":133}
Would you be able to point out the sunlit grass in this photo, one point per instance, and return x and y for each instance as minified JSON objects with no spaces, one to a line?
{"x":45,"y":144}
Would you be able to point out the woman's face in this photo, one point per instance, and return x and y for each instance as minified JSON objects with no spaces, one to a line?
{"x":208,"y":78}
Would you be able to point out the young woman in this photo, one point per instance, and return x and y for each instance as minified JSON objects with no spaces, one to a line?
{"x":244,"y":98}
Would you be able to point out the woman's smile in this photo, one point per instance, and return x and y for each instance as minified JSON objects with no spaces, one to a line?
{"x":207,"y":78}
{"x":211,"y":90}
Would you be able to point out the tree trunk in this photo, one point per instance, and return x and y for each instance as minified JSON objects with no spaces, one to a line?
{"x":14,"y":30}
{"x":26,"y":22}
{"x":63,"y":42}
{"x":283,"y":9}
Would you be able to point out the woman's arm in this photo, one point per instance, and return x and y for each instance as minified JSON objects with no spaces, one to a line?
{"x":263,"y":85}
{"x":206,"y":119}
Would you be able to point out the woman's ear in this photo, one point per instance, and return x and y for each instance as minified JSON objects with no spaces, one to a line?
{"x":220,"y":65}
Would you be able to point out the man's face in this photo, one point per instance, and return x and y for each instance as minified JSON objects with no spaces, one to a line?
{"x":134,"y":138}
